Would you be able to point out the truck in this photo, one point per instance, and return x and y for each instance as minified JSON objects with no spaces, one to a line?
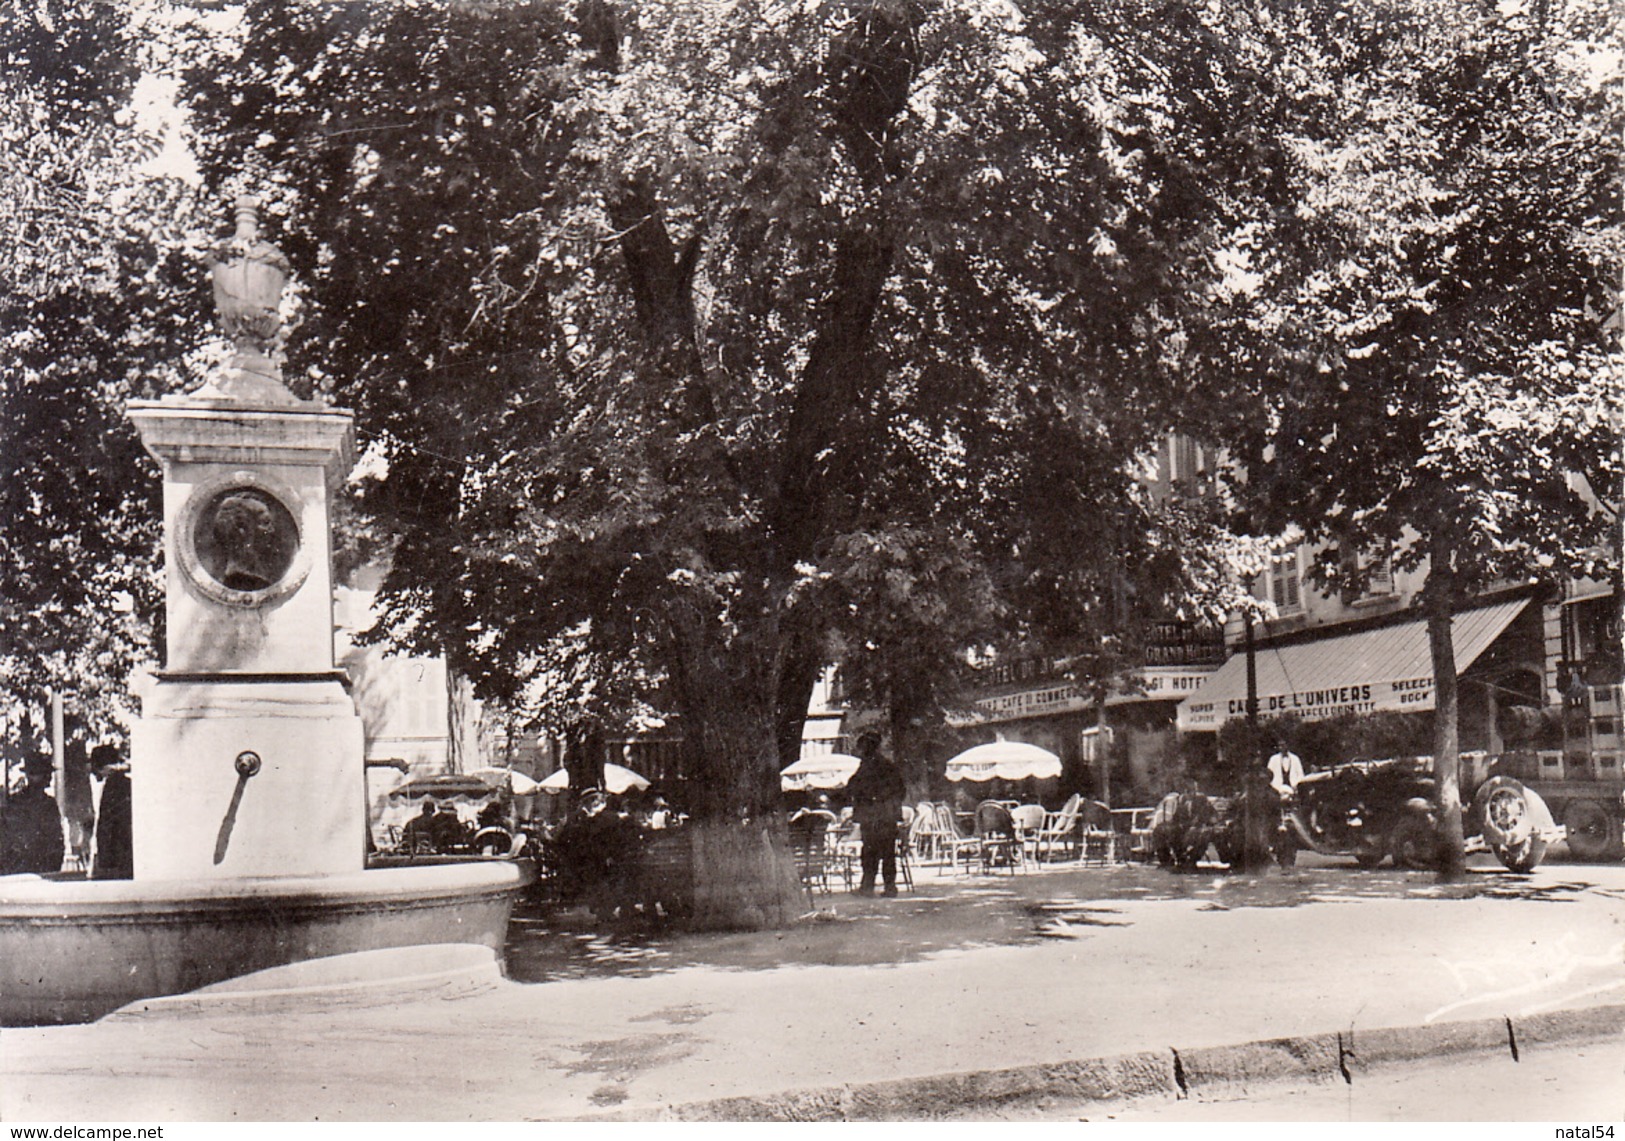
{"x":1583,"y":787}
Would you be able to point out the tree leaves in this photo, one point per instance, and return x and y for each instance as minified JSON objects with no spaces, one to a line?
{"x":98,"y":301}
{"x":1418,"y":318}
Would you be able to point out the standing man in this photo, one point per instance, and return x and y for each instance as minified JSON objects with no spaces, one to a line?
{"x":31,"y":830}
{"x":877,"y":793}
{"x":114,"y":855}
{"x":1286,"y":770}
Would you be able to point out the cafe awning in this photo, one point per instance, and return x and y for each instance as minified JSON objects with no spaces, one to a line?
{"x":1383,"y":669}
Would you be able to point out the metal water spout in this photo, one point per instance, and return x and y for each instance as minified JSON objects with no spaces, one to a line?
{"x":247,"y":764}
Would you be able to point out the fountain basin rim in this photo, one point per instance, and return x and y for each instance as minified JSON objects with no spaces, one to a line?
{"x":43,"y":899}
{"x":73,"y":950}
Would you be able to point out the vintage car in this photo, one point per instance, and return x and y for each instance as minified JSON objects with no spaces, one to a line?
{"x":1367,"y":809}
{"x":1371,"y":810}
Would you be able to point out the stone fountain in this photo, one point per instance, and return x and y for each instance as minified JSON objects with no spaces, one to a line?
{"x":248,"y":799}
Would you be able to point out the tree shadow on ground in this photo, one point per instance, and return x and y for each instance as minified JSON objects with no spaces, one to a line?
{"x":548,"y":942}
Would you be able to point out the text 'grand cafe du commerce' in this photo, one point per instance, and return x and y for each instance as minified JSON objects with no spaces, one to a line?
{"x":1030,"y":700}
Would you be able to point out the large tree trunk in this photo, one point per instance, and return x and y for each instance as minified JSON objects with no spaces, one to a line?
{"x":1440,"y":600}
{"x":744,"y":878}
{"x":798,"y":676}
{"x":742,"y":874}
{"x":743,"y":697}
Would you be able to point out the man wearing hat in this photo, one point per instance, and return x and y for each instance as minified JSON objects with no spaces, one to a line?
{"x":114,"y":855}
{"x":31,"y":829}
{"x":876,"y":791}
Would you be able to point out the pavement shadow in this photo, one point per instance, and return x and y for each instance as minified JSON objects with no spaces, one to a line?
{"x":547,"y":942}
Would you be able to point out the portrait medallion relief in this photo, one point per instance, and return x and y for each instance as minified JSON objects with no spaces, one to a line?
{"x":241,"y":542}
{"x":246,"y":539}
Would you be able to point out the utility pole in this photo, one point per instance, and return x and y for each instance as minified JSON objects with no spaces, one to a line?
{"x":1103,"y":754}
{"x":1252,"y":677}
{"x":1249,"y":810}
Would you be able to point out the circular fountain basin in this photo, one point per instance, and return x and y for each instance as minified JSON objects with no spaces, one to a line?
{"x":72,"y":950}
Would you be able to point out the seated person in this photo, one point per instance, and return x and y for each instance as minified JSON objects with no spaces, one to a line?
{"x":419,"y":833}
{"x":448,"y":830}
{"x":493,"y":815}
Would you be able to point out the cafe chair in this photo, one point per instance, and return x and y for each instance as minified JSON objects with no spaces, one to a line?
{"x":998,"y":844}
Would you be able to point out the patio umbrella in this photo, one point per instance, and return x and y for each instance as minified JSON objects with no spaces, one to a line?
{"x":443,"y":787}
{"x":831,"y":770}
{"x":517,"y":783}
{"x":1006,"y":760}
{"x":617,"y":779}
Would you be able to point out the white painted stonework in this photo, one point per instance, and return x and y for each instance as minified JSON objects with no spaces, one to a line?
{"x":247,"y":670}
{"x":302,"y":814}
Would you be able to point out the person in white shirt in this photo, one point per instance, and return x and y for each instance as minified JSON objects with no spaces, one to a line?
{"x":1286,"y":770}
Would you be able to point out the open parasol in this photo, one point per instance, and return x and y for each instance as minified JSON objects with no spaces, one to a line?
{"x":517,"y":783}
{"x":446,"y":786}
{"x":830,"y":770}
{"x":617,"y":779}
{"x":1006,"y":760}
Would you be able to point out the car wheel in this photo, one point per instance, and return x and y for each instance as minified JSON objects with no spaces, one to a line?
{"x":1502,"y":810}
{"x":1414,"y":843}
{"x":1524,"y":857}
{"x":1593,"y":834}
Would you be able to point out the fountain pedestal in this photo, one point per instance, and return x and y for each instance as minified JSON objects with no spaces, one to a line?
{"x":248,"y":803}
{"x":250,"y":651}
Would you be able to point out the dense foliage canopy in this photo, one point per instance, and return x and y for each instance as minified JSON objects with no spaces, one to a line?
{"x":750,"y":334}
{"x":1419,"y":339}
{"x":1423,"y":320}
{"x":99,"y":301}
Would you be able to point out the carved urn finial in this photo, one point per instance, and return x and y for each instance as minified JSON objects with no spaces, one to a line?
{"x":249,"y":276}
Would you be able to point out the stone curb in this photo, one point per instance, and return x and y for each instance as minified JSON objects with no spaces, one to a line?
{"x":1173,"y":1073}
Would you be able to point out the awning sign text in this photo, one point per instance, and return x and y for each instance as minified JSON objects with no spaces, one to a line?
{"x":1411,"y":695}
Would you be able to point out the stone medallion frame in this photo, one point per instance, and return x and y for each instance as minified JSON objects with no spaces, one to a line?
{"x":208,"y":495}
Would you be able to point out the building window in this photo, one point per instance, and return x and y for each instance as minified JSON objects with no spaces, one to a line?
{"x":1376,"y":571}
{"x":1186,"y":461}
{"x":1379,"y":577}
{"x":1286,"y":582}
